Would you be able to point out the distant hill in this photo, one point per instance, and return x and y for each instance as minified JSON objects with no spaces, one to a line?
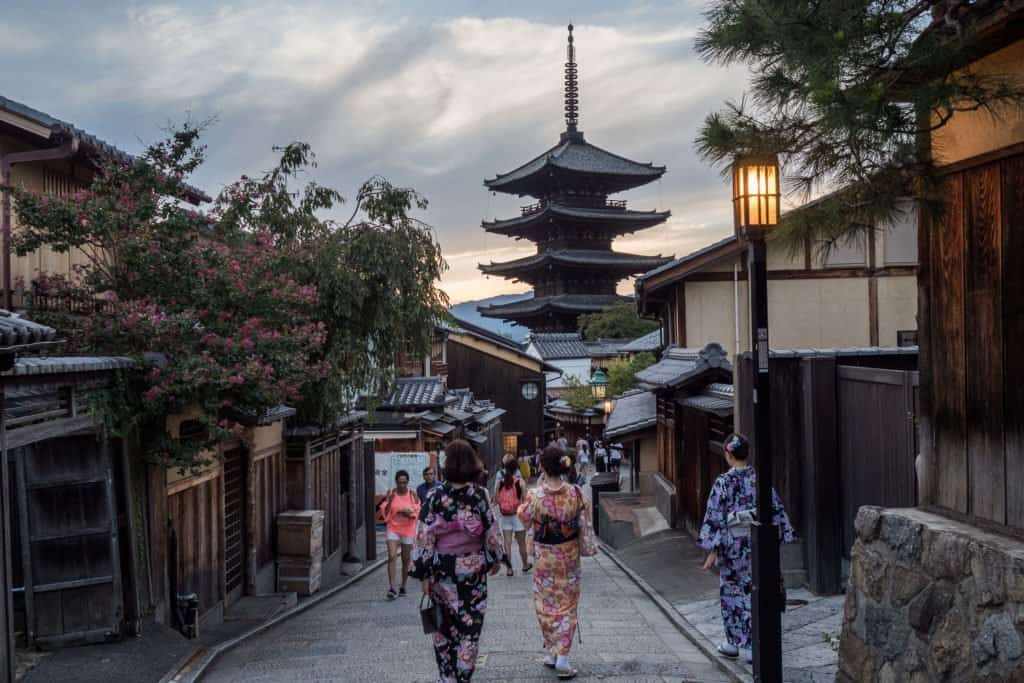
{"x":467,"y":311}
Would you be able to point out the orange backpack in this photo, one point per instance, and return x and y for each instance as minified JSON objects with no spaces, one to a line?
{"x":509,"y":498}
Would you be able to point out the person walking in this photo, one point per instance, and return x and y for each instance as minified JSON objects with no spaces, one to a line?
{"x":510,"y":492}
{"x":615,"y":458}
{"x":429,"y":484}
{"x":725,"y":533}
{"x":401,"y":508}
{"x":583,"y":463}
{"x":601,"y":457}
{"x":458,"y":543}
{"x":558,"y":517}
{"x":524,"y":466}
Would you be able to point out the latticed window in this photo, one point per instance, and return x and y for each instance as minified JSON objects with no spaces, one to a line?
{"x":510,"y":442}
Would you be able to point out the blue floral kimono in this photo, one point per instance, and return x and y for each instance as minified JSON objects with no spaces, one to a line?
{"x":735,"y":492}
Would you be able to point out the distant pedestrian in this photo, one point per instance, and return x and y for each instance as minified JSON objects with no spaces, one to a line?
{"x":524,"y":466}
{"x":615,"y":458}
{"x":458,"y":543}
{"x":583,"y":463}
{"x":429,"y":484}
{"x":510,"y":492}
{"x":558,"y":517}
{"x":401,"y":508}
{"x":731,"y":510}
{"x":600,"y":456}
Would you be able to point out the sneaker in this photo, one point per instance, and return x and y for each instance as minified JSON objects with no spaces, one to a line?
{"x":392,"y":594}
{"x":727,"y":649}
{"x":401,"y":591}
{"x":549,"y":661}
{"x":566,"y":674}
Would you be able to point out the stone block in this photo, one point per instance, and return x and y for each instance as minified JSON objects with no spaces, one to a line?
{"x":850,"y":608}
{"x":872,"y":575}
{"x":902,"y":535}
{"x":906,"y":583}
{"x":1015,"y":579}
{"x":946,"y":555}
{"x":867,"y":522}
{"x":950,"y":650}
{"x":887,"y":631}
{"x":997,"y":639}
{"x":929,"y":608}
{"x":989,"y":569}
{"x":855,"y":660}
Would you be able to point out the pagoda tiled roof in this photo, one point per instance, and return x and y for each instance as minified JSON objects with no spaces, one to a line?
{"x":619,"y":221}
{"x":631,"y":263}
{"x":564,"y":303}
{"x":577,"y":156}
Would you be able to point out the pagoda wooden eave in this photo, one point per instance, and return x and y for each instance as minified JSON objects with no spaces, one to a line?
{"x":614,"y":221}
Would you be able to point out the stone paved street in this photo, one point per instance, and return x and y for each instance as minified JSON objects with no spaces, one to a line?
{"x":359,"y":636}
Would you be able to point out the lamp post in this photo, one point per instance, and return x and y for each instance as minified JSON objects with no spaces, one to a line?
{"x":755,"y":196}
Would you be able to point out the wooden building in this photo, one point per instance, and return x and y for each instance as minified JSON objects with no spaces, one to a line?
{"x":573,"y":224}
{"x":499,"y":370}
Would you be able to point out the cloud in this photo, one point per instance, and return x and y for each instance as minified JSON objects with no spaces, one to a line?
{"x":425,"y":94}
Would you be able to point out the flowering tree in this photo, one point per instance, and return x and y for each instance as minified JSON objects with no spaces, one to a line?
{"x":255,"y":303}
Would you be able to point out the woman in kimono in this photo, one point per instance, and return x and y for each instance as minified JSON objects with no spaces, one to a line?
{"x":726,"y":535}
{"x":458,"y":543}
{"x":558,"y":516}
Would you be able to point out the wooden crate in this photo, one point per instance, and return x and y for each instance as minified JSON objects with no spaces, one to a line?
{"x":300,"y":533}
{"x":299,"y":574}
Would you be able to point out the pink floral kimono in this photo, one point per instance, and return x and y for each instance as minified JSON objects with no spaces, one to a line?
{"x":561,"y":531}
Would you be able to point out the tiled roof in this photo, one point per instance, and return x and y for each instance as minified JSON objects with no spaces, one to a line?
{"x":570,"y":303}
{"x":49,"y":366}
{"x":413,"y":392}
{"x":559,"y":345}
{"x":606,"y":258}
{"x":832,"y":353}
{"x":20,"y":334}
{"x":63,"y":128}
{"x":619,"y":221}
{"x":605,"y":348}
{"x":574,"y":154}
{"x":683,"y":260}
{"x":632,"y":412}
{"x":717,"y":398}
{"x":649,"y":342}
{"x":678,"y":365}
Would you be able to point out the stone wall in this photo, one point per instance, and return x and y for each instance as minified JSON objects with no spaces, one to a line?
{"x":931,"y":599}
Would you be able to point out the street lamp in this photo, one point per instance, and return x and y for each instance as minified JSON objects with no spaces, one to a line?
{"x":599,"y":384}
{"x":755,"y":198}
{"x":608,"y":405}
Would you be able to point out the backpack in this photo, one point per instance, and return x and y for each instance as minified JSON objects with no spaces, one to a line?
{"x":508,"y":498}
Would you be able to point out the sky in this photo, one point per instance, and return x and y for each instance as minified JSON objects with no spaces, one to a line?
{"x":433,"y":94}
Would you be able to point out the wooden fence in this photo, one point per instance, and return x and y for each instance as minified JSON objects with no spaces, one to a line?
{"x":844,"y":436}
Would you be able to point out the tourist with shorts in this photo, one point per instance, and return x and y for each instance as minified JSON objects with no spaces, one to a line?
{"x":401,"y":509}
{"x":510,"y":493}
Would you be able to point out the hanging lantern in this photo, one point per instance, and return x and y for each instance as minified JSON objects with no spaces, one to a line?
{"x":755,"y":194}
{"x":599,"y":384}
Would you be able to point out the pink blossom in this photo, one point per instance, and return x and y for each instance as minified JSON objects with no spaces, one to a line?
{"x":236,"y":379}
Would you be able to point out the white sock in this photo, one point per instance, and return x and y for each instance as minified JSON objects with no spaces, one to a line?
{"x":562,"y":662}
{"x":550,"y":659}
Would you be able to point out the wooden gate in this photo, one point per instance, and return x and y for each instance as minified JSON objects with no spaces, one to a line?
{"x":234,"y":524}
{"x":69,"y":542}
{"x":877,"y":440}
{"x":6,"y":606}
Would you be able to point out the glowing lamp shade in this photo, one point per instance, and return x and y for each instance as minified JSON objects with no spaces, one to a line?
{"x":599,"y":384}
{"x":755,"y":193}
{"x":608,"y":406}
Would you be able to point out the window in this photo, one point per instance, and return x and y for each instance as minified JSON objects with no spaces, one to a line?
{"x":510,"y":442}
{"x":899,"y":240}
{"x":906,"y":338}
{"x":529,"y":390}
{"x":849,"y":253}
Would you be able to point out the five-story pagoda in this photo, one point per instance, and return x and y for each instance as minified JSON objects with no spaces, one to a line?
{"x":573,"y":224}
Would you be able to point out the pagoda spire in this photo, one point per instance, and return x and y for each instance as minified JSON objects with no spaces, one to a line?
{"x":572,"y":90}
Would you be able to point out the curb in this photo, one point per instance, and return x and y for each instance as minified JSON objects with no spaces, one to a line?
{"x":736,"y":673}
{"x":201,"y":660}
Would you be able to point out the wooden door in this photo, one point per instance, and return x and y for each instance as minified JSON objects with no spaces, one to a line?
{"x":69,"y":542}
{"x":6,"y":606}
{"x":877,"y":441}
{"x":234,"y":524}
{"x":695,"y":446}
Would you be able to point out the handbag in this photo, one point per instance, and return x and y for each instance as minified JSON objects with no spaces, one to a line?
{"x":431,"y":615}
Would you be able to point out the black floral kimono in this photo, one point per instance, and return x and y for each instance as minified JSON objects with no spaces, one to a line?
{"x":459,"y":580}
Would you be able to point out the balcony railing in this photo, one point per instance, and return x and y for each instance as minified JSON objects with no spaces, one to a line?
{"x":577,"y":202}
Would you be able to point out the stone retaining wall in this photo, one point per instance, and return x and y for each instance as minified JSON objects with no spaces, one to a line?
{"x":931,"y":599}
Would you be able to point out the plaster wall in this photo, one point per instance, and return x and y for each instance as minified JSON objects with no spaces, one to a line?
{"x":969,"y":134}
{"x":897,"y":307}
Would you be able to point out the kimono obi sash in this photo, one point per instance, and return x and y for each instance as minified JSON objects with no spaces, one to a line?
{"x":739,"y":522}
{"x":552,"y":531}
{"x":459,"y":536}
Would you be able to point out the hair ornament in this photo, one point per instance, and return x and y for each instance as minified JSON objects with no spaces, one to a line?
{"x":565,"y":460}
{"x":733,"y":443}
